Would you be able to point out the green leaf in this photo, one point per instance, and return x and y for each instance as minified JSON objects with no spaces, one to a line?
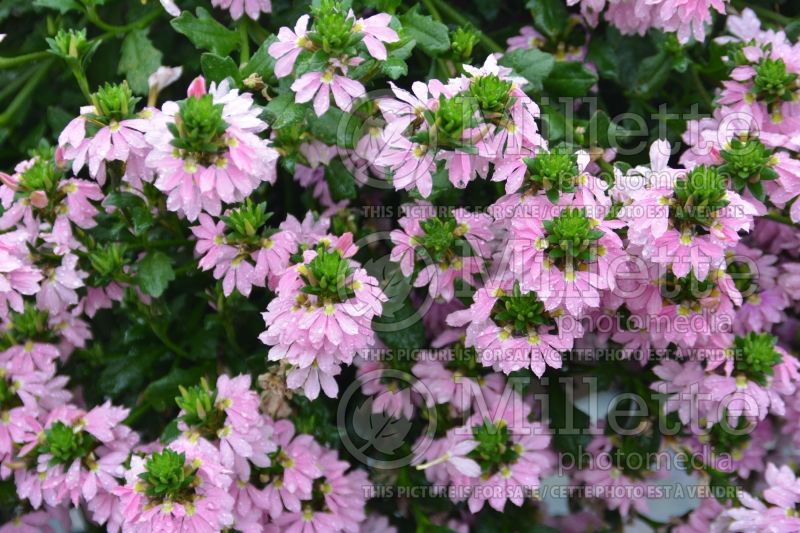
{"x":554,"y":124}
{"x":261,"y":63}
{"x":138,"y":59}
{"x":653,"y":72}
{"x":216,"y":68}
{"x":431,"y":36}
{"x":61,"y":5}
{"x":205,"y":32}
{"x":793,"y":30}
{"x":570,"y":78}
{"x":533,"y":65}
{"x":161,"y":392}
{"x":155,"y":272}
{"x":282,"y":111}
{"x":340,"y":181}
{"x":394,"y":68}
{"x":136,"y":207}
{"x":550,"y":16}
{"x":567,"y":422}
{"x":599,"y":125}
{"x":401,"y":328}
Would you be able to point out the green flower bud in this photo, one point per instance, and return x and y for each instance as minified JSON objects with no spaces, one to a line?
{"x":453,"y":116}
{"x":71,"y":45}
{"x":114,"y":102}
{"x":491,"y":93}
{"x":66,"y":444}
{"x":42,"y":175}
{"x":687,"y":289}
{"x":168,"y":477}
{"x":755,"y":356}
{"x":246,"y":221}
{"x":199,"y":129}
{"x":326,"y":276}
{"x":748,"y":162}
{"x":333,"y":29}
{"x":698,"y":197}
{"x":495,"y":448}
{"x":522,"y":312}
{"x":462,"y":40}
{"x":200,"y":411}
{"x":772,"y":83}
{"x":439,"y":238}
{"x":553,"y":172}
{"x":108,"y":263}
{"x":571,"y":237}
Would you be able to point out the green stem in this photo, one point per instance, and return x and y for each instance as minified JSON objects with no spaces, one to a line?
{"x":432,"y":9}
{"x":460,"y":19}
{"x":95,"y":19}
{"x":166,"y":341}
{"x":137,"y":413}
{"x":244,"y":55}
{"x":11,"y":62}
{"x":779,"y":217}
{"x":698,"y":84}
{"x":24,"y":94}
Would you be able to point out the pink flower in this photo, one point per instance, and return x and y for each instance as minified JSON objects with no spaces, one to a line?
{"x":253,"y":8}
{"x":376,"y":31}
{"x":58,"y":290}
{"x":196,"y":181}
{"x":289,"y":45}
{"x":319,"y":86}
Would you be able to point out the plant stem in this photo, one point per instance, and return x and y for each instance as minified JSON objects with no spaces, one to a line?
{"x":94,"y":18}
{"x":698,"y":84}
{"x":244,"y":55}
{"x":11,"y":62}
{"x":779,"y":217}
{"x":25,"y":93}
{"x":461,"y":20}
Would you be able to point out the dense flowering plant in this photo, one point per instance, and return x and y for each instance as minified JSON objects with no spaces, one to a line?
{"x":384,"y":266}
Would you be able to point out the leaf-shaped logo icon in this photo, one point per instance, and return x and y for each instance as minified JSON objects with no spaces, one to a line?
{"x":379,"y":430}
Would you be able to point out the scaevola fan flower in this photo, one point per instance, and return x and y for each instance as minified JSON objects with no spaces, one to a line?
{"x":109,"y":130}
{"x":206,"y":149}
{"x":322,"y":315}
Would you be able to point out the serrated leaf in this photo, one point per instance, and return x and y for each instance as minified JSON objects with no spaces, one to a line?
{"x":570,"y":78}
{"x":205,"y":32}
{"x":154,"y":273}
{"x":261,"y":63}
{"x":340,"y":181}
{"x":394,"y":68}
{"x":161,"y":392}
{"x":533,"y":65}
{"x":216,"y":68}
{"x":138,"y":59}
{"x":282,"y":111}
{"x":550,"y":16}
{"x":599,"y":126}
{"x":431,"y":36}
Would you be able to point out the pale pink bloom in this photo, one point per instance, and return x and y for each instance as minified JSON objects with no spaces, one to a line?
{"x":253,"y":8}
{"x":289,"y":45}
{"x":58,"y":290}
{"x":248,"y":160}
{"x":118,"y":141}
{"x":319,"y":86}
{"x":210,"y":508}
{"x":163,"y":77}
{"x":300,"y":468}
{"x":170,"y":7}
{"x":376,"y":31}
{"x":528,"y":38}
{"x":18,"y":277}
